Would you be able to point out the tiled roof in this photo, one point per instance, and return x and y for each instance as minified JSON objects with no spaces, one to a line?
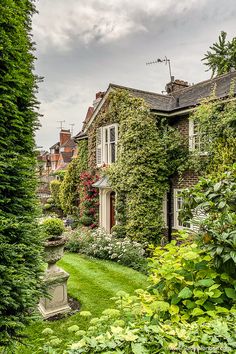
{"x":154,"y":100}
{"x":55,"y":145}
{"x":192,"y":95}
{"x":69,"y":143}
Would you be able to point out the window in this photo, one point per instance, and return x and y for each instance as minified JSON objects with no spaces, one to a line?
{"x":106,"y":144}
{"x":197,"y":140}
{"x":178,"y":203}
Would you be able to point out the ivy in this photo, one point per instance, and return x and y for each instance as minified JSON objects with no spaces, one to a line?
{"x":149,"y":152}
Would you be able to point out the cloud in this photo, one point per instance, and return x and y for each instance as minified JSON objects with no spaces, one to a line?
{"x":59,"y":26}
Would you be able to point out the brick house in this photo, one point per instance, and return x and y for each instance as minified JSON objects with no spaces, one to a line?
{"x":62,"y":152}
{"x":102,"y":134}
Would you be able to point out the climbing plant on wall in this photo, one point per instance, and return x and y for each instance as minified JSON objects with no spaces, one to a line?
{"x":149,"y":151}
{"x":69,"y":194}
{"x":216,"y":120}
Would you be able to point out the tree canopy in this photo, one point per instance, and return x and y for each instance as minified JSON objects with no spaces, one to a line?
{"x":221,"y":58}
{"x":20,"y":257}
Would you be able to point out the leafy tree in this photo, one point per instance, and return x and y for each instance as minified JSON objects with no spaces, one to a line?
{"x":69,"y":193}
{"x":20,"y":256}
{"x":222,"y":56}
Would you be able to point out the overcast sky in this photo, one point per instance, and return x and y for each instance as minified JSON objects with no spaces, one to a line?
{"x":83,"y":45}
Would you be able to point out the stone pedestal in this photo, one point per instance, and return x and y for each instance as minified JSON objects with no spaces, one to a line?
{"x":56,"y":281}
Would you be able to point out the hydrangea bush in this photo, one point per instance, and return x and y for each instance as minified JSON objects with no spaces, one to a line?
{"x":99,"y":244}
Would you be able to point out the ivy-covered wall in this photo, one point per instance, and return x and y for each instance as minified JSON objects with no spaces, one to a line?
{"x":149,"y":151}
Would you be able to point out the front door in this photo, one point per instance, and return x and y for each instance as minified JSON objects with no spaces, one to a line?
{"x":112,"y":210}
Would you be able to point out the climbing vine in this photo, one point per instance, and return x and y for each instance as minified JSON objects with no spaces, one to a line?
{"x":88,"y":197}
{"x":216,"y":120}
{"x":149,"y":152}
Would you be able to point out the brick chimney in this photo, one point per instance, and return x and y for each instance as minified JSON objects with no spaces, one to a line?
{"x":176,"y":85}
{"x":64,"y":136}
{"x":99,"y":97}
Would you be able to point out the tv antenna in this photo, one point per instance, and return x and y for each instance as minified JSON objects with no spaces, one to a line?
{"x":72,"y":127}
{"x":61,"y":124}
{"x":166,"y":61}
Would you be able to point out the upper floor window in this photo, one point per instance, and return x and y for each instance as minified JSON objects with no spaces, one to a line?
{"x":106,"y":144}
{"x":197,"y":140}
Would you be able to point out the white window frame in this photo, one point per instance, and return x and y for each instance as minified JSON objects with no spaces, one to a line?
{"x":177,"y":224}
{"x":104,"y":148}
{"x":195,"y":139}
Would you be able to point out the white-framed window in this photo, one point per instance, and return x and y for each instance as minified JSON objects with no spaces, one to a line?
{"x":197,"y":140}
{"x":178,"y":204}
{"x":106,"y":144}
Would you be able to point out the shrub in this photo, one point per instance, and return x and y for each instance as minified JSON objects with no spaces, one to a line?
{"x":86,"y":220}
{"x":99,"y":244}
{"x":215,"y":196}
{"x":53,"y":227}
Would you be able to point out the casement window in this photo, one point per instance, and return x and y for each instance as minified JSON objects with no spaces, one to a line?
{"x":197,"y":140}
{"x":106,"y":144}
{"x":178,"y":203}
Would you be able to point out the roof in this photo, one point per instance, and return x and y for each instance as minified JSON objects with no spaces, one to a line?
{"x":181,"y":99}
{"x":80,"y":136}
{"x":69,"y":143}
{"x":153,"y":99}
{"x":192,"y":95}
{"x":55,"y":145}
{"x":102,"y":183}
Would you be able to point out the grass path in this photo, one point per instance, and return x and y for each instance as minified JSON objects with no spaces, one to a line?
{"x":93,"y":283}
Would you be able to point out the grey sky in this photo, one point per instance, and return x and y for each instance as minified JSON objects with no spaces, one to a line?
{"x":83,"y":45}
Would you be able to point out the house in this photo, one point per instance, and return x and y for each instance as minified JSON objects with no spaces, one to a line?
{"x":62,"y":152}
{"x":101,"y":131}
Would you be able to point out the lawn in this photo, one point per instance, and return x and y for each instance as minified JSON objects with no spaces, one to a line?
{"x":93,"y":283}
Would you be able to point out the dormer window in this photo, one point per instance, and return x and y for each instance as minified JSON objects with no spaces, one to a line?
{"x":106,"y":144}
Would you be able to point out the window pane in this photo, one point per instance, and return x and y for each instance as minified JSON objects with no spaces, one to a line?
{"x":112,"y":135}
{"x":113,"y":152}
{"x":106,"y":136}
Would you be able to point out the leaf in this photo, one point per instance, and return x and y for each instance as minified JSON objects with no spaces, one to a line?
{"x":197,"y":312}
{"x":222,"y":204}
{"x":231,"y":293}
{"x":205,"y":282}
{"x":173,"y":310}
{"x":138,"y":348}
{"x":217,"y":187}
{"x":185,"y":293}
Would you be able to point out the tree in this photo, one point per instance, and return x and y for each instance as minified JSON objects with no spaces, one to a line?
{"x":21,"y":245}
{"x":222,"y":56}
{"x":69,"y":189}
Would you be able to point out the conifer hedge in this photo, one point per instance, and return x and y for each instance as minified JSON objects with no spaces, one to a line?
{"x":20,"y":244}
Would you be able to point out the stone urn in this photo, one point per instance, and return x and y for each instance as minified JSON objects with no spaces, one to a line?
{"x":55,"y":279}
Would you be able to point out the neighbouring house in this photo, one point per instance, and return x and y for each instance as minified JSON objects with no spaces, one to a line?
{"x":62,"y":152}
{"x":103,"y":134}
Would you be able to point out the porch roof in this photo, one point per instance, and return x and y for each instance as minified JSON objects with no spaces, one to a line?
{"x":102,"y":183}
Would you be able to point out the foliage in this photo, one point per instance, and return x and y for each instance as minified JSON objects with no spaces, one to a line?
{"x":149,"y":151}
{"x":186,"y":284}
{"x":215,"y":197}
{"x":88,"y":196}
{"x":52,"y":227}
{"x":69,"y":194}
{"x":216,"y":121}
{"x":93,"y":282}
{"x":21,"y":244}
{"x":99,"y":244}
{"x":189,"y":308}
{"x":222,"y":56}
{"x":55,"y":190}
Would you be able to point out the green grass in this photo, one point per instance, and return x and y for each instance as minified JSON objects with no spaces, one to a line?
{"x":93,"y":283}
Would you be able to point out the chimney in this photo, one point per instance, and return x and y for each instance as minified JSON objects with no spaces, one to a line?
{"x":64,"y":136}
{"x":99,"y":97}
{"x":176,"y":85}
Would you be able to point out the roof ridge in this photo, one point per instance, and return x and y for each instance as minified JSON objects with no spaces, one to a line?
{"x":138,"y":90}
